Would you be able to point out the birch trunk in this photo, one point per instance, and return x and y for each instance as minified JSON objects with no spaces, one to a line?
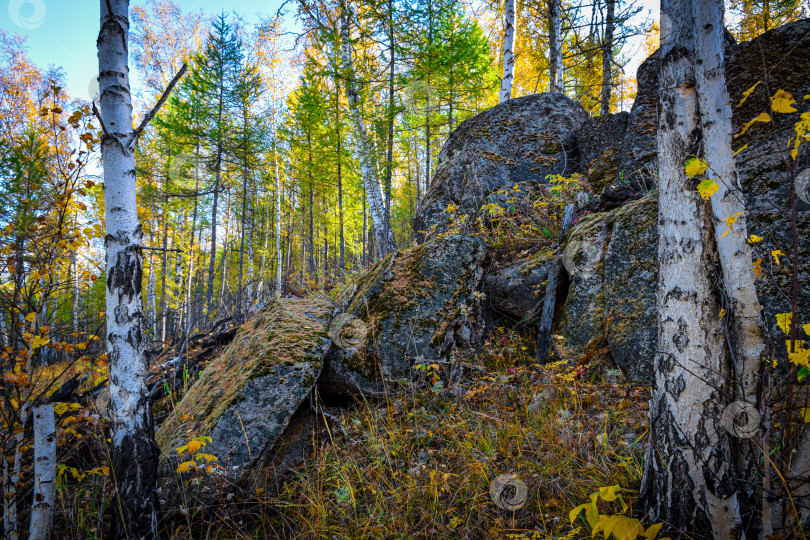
{"x":607,"y":58}
{"x":733,"y":249}
{"x":134,"y":452}
{"x":688,"y":471}
{"x":508,"y":51}
{"x":374,"y":199}
{"x":44,"y":472}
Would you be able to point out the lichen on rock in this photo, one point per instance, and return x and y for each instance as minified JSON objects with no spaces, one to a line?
{"x":415,"y":305}
{"x":245,"y":398}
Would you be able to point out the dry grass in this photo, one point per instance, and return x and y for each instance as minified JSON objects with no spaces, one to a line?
{"x":420,"y":466}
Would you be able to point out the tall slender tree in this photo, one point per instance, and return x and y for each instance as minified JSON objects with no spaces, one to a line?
{"x":134,"y":452}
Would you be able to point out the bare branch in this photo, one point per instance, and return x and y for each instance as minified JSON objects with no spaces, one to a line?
{"x":146,"y":119}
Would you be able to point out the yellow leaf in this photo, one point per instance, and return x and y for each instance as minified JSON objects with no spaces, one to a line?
{"x":38,"y":342}
{"x":763,"y":117}
{"x":186,"y":466}
{"x":652,"y":532}
{"x":722,"y":314}
{"x":207,"y":457}
{"x":30,"y":317}
{"x":800,"y":356}
{"x":707,"y":188}
{"x":775,"y":254}
{"x":806,"y":415}
{"x":748,"y":92}
{"x":194,"y":446}
{"x":695,"y":166}
{"x":753,"y":239}
{"x":783,"y":321}
{"x":741,"y":149}
{"x":783,"y":102}
{"x":730,"y":221}
{"x":806,"y":329}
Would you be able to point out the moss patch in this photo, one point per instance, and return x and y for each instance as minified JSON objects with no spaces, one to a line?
{"x":285,"y":333}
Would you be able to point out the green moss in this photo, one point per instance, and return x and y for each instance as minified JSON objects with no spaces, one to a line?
{"x":284,"y":333}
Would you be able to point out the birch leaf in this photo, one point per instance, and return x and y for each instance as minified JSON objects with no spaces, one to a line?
{"x":806,"y":329}
{"x":707,"y":188}
{"x":763,"y":117}
{"x":186,"y":466}
{"x":748,"y":92}
{"x":775,"y":254}
{"x":783,"y":102}
{"x":695,"y":166}
{"x":757,"y":267}
{"x":730,"y":221}
{"x":753,"y":239}
{"x":800,"y":356}
{"x":783,"y":321}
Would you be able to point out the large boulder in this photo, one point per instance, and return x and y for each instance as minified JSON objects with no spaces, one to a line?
{"x":245,"y":399}
{"x":411,"y":307}
{"x":520,"y":141}
{"x":518,"y":289}
{"x":611,"y":256}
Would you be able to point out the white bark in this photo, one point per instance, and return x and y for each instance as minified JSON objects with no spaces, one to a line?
{"x":508,"y":51}
{"x":733,"y":249}
{"x":134,"y":452}
{"x":688,"y":469}
{"x":44,"y":472}
{"x":372,"y":186}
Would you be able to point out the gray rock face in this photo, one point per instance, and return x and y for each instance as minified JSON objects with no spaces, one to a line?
{"x":517,"y":290}
{"x":245,"y":399}
{"x":615,"y":309}
{"x":521,"y":140}
{"x":410,"y":307}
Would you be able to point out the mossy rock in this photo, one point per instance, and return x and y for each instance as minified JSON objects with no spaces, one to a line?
{"x":411,"y":307}
{"x":245,"y":398}
{"x":518,"y":289}
{"x":526,"y":140}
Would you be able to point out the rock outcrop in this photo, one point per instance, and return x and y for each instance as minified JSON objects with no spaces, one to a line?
{"x":624,"y":288}
{"x":245,"y":399}
{"x":411,"y":307}
{"x":521,"y":140}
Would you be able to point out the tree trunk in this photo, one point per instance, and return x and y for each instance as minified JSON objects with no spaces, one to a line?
{"x":508,"y":51}
{"x":607,"y":58}
{"x":688,"y":476}
{"x":376,"y":207}
{"x":554,"y":47}
{"x":550,"y":298}
{"x":134,"y":454}
{"x":342,"y":262}
{"x":733,"y":249}
{"x":389,"y":166}
{"x":44,"y":472}
{"x":164,"y":305}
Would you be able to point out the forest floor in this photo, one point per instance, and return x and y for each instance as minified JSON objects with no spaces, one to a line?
{"x":423,"y":465}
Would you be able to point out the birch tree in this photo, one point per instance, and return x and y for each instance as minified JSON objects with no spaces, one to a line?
{"x":134,"y":454}
{"x":688,"y":472}
{"x":508,"y":51}
{"x":555,"y":59}
{"x":44,"y":472}
{"x":383,"y":235}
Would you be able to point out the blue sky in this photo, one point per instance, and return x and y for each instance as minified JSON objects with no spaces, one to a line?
{"x":63,"y":32}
